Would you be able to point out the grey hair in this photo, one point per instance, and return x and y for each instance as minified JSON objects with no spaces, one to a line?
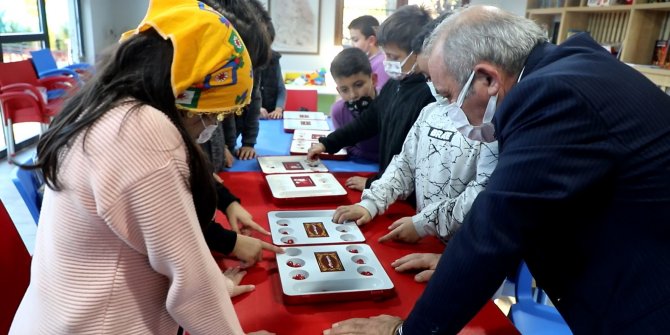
{"x":480,"y":33}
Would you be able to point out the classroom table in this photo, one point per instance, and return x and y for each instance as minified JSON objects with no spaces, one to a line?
{"x":264,"y":308}
{"x":273,"y":141}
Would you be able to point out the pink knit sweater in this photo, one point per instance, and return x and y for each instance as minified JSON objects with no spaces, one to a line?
{"x":119,"y":250}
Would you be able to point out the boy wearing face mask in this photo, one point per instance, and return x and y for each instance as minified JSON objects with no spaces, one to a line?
{"x":364,"y":37}
{"x":356,"y":84}
{"x":445,"y":169}
{"x":393,"y":112}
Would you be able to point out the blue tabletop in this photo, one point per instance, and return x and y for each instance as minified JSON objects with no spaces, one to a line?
{"x":273,"y":141}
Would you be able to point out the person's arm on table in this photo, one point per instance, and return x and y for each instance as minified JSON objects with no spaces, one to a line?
{"x":397,"y":182}
{"x":230,"y":132}
{"x":363,"y":127}
{"x":444,"y":218}
{"x":250,"y":128}
{"x":247,"y":249}
{"x":278,"y":113}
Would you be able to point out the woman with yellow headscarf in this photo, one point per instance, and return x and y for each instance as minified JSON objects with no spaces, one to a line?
{"x":119,"y":246}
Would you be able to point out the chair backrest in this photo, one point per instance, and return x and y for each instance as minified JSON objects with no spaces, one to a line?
{"x":28,"y":187}
{"x":302,"y":100}
{"x":528,"y":314}
{"x":18,"y":72}
{"x":15,"y":269}
{"x":43,"y":60}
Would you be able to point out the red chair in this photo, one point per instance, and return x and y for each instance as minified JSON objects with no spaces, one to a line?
{"x":15,"y":268}
{"x":302,"y":100}
{"x":22,"y":101}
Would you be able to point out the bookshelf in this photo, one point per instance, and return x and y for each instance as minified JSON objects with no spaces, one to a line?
{"x":629,"y":30}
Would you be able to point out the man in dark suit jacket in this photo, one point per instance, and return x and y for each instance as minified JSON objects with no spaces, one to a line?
{"x":582,"y":187}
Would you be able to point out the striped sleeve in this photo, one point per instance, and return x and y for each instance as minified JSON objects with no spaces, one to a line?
{"x":158,"y":218}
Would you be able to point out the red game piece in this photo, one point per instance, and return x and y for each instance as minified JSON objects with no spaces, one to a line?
{"x":353,"y":251}
{"x":289,"y":241}
{"x":293,"y":265}
{"x":299,"y":276}
{"x":360,"y":261}
{"x":366,"y":273}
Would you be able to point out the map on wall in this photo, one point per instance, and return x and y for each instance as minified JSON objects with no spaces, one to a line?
{"x":296,"y":24}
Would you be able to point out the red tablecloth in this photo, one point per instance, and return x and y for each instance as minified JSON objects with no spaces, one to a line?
{"x":264,"y":309}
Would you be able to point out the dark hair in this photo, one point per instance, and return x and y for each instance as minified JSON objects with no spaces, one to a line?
{"x":349,"y":62}
{"x":247,"y":16}
{"x":401,"y":27}
{"x":271,"y":31}
{"x":139,"y":69}
{"x":418,"y":41}
{"x":366,"y":24}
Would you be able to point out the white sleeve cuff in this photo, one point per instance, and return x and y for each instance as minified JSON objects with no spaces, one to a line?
{"x":370,"y":206}
{"x":419,"y":226}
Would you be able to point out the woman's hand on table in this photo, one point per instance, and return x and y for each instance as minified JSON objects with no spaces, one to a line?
{"x":356,"y":183}
{"x":356,"y":213}
{"x":237,"y":216}
{"x":276,"y":114}
{"x":315,"y":150}
{"x":402,"y":230}
{"x":245,"y":153}
{"x":376,"y":325}
{"x":249,"y":249}
{"x":235,"y":275}
{"x":418,"y":261}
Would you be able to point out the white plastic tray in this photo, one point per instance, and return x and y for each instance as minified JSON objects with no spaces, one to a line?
{"x":307,"y":187}
{"x":311,"y":227}
{"x":309,"y":135}
{"x":290,"y":125}
{"x":304,"y":115}
{"x":332,"y":272}
{"x":301,"y":147}
{"x":289,"y":164}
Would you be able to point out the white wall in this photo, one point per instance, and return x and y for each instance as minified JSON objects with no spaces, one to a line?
{"x":327,"y":51}
{"x":515,"y":6}
{"x":104,"y":21}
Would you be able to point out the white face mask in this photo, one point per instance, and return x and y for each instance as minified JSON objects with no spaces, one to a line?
{"x":484,"y":132}
{"x":394,"y":68}
{"x":206,"y":134}
{"x":438,"y":98}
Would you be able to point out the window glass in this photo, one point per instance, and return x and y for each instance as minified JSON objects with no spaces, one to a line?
{"x":12,"y":52}
{"x":355,"y":8}
{"x":19,"y":17}
{"x":62,"y":31}
{"x":438,"y":6}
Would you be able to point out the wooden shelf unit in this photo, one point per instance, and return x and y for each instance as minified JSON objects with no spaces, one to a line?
{"x":633,"y":28}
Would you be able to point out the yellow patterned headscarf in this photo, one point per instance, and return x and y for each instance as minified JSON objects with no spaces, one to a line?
{"x":211,"y":68}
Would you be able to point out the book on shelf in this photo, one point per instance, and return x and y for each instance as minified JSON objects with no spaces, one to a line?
{"x":660,"y":55}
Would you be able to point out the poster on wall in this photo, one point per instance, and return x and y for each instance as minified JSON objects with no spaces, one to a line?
{"x":297,"y":25}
